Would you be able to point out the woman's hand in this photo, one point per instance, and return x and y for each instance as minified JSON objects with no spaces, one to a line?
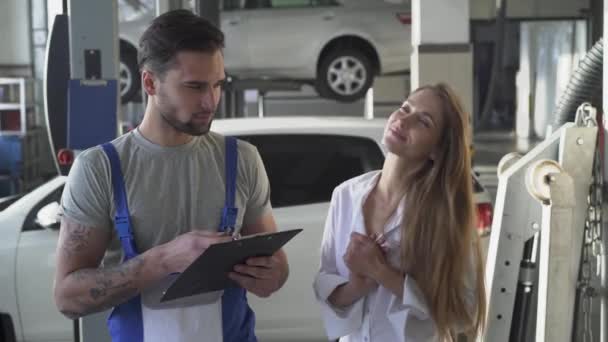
{"x":361,"y":283}
{"x":364,"y":256}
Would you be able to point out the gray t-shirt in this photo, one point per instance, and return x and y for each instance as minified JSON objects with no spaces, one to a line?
{"x":170,"y":190}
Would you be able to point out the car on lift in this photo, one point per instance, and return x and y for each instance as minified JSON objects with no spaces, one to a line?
{"x":338,"y":46}
{"x":305,"y":158}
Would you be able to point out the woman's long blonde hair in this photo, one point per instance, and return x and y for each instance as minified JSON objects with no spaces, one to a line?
{"x":439,"y":238}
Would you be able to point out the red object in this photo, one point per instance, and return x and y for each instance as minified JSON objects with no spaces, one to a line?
{"x":65,"y":157}
{"x":484,"y":218}
{"x":11,"y":121}
{"x":404,"y":18}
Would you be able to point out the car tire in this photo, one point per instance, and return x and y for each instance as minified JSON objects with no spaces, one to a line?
{"x":344,"y":75}
{"x":128,"y":77}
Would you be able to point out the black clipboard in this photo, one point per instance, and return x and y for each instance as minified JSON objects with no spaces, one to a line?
{"x":209,"y":272}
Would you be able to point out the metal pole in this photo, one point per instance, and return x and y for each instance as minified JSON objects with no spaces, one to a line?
{"x":604,"y":145}
{"x":261,"y":104}
{"x":369,"y":104}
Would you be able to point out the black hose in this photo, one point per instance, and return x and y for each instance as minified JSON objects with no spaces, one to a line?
{"x":584,"y":85}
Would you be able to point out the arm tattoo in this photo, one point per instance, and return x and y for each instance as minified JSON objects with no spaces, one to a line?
{"x":112,"y":285}
{"x":77,"y":240}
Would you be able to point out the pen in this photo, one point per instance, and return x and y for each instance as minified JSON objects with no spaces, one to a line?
{"x":236,"y":235}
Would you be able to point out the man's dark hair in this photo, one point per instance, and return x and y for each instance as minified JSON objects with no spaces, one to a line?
{"x":173,"y":32}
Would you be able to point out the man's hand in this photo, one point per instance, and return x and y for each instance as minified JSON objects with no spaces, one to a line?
{"x":261,"y":276}
{"x":179,"y":253}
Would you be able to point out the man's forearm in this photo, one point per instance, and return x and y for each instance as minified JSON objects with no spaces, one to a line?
{"x":91,"y":290}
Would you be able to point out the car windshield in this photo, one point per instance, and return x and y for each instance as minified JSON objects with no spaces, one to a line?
{"x":6,"y":202}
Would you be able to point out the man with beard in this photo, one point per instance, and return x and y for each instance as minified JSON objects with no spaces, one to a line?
{"x":144,"y":206}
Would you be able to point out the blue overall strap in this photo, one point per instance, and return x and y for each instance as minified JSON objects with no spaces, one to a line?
{"x":230,"y":212}
{"x":238,"y":320}
{"x":121,"y":219}
{"x":125,"y":323}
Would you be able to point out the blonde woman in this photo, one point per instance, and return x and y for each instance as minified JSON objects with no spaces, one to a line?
{"x":400,"y":255}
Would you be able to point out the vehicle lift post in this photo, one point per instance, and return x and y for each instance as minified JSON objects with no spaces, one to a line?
{"x":534,"y":256}
{"x":547,"y":257}
{"x":84,"y":112}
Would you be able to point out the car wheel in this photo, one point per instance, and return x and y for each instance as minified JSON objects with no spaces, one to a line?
{"x":344,"y":75}
{"x":129,"y":78}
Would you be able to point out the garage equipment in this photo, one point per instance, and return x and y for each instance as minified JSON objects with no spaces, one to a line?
{"x":545,"y":250}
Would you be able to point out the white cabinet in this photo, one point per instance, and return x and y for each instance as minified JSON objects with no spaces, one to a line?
{"x":21,"y":140}
{"x":16,"y":105}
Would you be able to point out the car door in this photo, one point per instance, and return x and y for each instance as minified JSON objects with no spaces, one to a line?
{"x":41,"y":321}
{"x":286,"y":35}
{"x":303,"y":171}
{"x":235,"y":25}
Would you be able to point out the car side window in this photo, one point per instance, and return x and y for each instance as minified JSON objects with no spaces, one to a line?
{"x":30,"y":220}
{"x":305,"y":169}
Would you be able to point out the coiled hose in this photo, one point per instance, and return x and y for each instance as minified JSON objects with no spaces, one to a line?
{"x":584,"y":85}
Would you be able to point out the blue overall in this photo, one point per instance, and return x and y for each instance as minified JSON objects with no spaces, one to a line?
{"x":125,"y":323}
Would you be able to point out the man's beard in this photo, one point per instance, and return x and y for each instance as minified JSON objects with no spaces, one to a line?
{"x":168,"y":112}
{"x":188,"y":127}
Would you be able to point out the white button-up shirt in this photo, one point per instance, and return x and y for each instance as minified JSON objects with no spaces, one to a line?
{"x":380,"y":316}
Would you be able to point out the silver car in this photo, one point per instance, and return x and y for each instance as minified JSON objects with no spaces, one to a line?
{"x":338,"y":46}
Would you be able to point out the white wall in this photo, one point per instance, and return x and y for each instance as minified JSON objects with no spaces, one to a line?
{"x":54,"y":7}
{"x":15,"y":33}
{"x":440,"y":21}
{"x":454,"y":68}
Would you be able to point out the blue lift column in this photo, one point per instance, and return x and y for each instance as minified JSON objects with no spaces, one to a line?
{"x":93,"y":94}
{"x":81,"y":87}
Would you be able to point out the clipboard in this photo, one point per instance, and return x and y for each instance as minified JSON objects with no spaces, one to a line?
{"x":209,"y":272}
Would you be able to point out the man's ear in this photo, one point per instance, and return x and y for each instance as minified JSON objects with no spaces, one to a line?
{"x":148,"y":82}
